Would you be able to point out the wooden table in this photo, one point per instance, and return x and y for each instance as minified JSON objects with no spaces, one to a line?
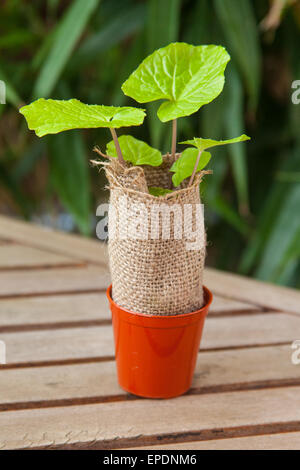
{"x":58,"y":388}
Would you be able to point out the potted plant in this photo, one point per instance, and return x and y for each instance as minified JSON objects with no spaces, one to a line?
{"x":157,"y":239}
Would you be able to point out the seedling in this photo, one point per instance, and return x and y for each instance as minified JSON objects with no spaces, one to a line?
{"x":185,"y":77}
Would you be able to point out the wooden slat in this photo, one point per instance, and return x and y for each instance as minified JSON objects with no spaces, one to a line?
{"x":48,"y":281}
{"x":147,"y":422}
{"x":17,"y":256}
{"x":27,"y":312}
{"x":80,"y":248}
{"x":92,"y":342}
{"x":58,"y":345}
{"x":281,"y":441}
{"x":250,"y":290}
{"x":53,"y":310}
{"x":4,"y":241}
{"x":222,"y":305}
{"x":215,"y":372}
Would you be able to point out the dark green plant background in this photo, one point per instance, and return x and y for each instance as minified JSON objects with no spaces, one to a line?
{"x":87,"y":48}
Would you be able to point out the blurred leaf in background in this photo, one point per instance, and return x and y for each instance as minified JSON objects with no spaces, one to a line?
{"x":85,"y":49}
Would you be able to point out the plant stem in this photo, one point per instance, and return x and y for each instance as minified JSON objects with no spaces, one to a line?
{"x":174,"y":138}
{"x":195,"y":168}
{"x":117,"y":145}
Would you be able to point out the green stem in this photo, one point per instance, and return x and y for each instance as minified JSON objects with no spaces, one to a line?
{"x":174,"y":138}
{"x":195,"y":168}
{"x":117,"y":145}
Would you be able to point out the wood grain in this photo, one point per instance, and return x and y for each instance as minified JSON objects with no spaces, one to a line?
{"x":78,"y":247}
{"x":52,"y":281}
{"x":17,"y":256}
{"x":96,"y":342}
{"x":83,"y":383}
{"x":286,"y":441}
{"x":222,"y":305}
{"x":250,"y":290}
{"x":53,"y":310}
{"x":57,"y":310}
{"x":145,"y":422}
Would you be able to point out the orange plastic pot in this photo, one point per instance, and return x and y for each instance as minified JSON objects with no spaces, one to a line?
{"x":156,"y":355}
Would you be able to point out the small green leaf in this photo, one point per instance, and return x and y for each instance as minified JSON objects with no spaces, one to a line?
{"x":53,"y":116}
{"x":135,"y":151}
{"x":186,"y":76}
{"x":202,"y":144}
{"x":154,"y":191}
{"x":183,"y":167}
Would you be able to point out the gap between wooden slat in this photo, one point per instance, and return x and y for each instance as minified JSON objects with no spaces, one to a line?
{"x":188,"y":436}
{"x":88,"y":323}
{"x":86,"y":360}
{"x":77,"y":343}
{"x":58,"y":362}
{"x":245,"y":289}
{"x":143,"y":422}
{"x":234,"y":387}
{"x":53,"y":326}
{"x":78,"y":247}
{"x":216,"y":372}
{"x":51,"y":294}
{"x":42,"y":266}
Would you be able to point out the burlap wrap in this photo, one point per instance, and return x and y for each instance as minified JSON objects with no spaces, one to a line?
{"x":153,"y":276}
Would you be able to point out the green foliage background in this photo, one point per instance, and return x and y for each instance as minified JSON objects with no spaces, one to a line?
{"x":86,"y":48}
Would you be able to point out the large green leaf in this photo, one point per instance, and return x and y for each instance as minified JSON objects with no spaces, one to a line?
{"x":202,"y":144}
{"x":186,"y":76}
{"x":53,"y":116}
{"x":183,"y":167}
{"x":68,"y":32}
{"x":135,"y":151}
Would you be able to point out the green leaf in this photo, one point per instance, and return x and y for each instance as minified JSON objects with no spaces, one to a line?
{"x":68,"y":32}
{"x":240,"y":28}
{"x":282,"y":237}
{"x":154,"y":191}
{"x":70,"y":179}
{"x":202,"y":144}
{"x":183,"y":167}
{"x":186,"y":76}
{"x":224,"y":209}
{"x":163,"y":20}
{"x":212,"y":123}
{"x":124,"y":22}
{"x":53,"y":116}
{"x":234,"y":124}
{"x":135,"y":151}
